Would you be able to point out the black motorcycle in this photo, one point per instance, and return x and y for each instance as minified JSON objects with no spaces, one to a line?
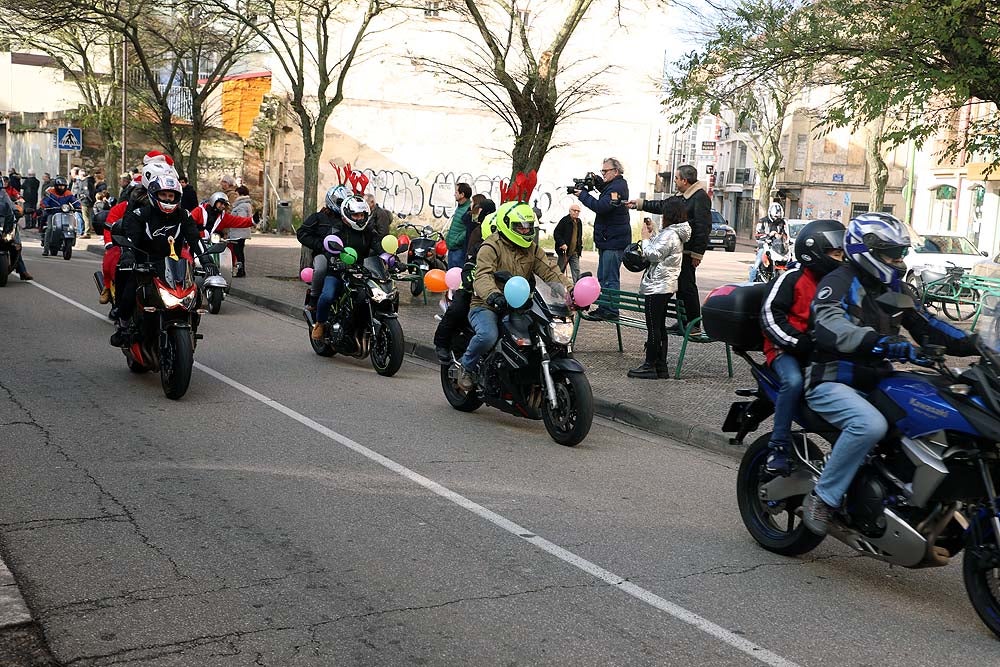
{"x":422,"y":256}
{"x":530,"y":372}
{"x":363,"y":319}
{"x":10,"y":251}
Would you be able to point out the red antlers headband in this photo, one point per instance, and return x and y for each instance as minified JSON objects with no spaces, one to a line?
{"x":520,"y":189}
{"x":357,"y":179}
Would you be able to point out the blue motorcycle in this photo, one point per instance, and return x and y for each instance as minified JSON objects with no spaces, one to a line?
{"x":925,"y":493}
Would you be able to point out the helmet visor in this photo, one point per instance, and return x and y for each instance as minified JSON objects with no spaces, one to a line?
{"x":895,"y":252}
{"x":833,"y":240}
{"x":525,"y":228}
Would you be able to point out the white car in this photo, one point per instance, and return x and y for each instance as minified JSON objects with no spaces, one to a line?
{"x":938,"y":252}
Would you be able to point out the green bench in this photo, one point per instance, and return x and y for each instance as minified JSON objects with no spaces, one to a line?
{"x":632,"y":313}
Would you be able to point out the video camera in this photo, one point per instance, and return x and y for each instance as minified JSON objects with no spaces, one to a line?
{"x":587,"y":183}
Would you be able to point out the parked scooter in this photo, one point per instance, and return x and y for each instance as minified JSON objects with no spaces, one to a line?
{"x":423,"y":254}
{"x":59,"y":234}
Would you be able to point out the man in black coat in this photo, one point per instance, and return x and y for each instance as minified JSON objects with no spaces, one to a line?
{"x":189,"y":197}
{"x":568,"y":237}
{"x":29,"y":190}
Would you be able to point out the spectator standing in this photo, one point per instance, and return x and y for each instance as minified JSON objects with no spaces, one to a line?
{"x":455,"y":238}
{"x":243,"y":206}
{"x":189,"y":196}
{"x":381,"y":217}
{"x":612,"y":230}
{"x":46,"y":184}
{"x":227,"y":183}
{"x":29,"y":190}
{"x":15,"y":179}
{"x":568,"y":238}
{"x":124,"y":183}
{"x":100,"y":182}
{"x":81,"y":190}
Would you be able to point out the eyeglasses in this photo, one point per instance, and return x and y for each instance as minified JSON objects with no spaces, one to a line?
{"x":604,"y":171}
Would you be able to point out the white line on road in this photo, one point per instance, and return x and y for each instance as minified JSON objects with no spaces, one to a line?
{"x":680,"y":613}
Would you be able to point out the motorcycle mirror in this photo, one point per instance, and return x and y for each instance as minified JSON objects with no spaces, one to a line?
{"x":216,"y":248}
{"x":586,"y":274}
{"x":895,"y":303}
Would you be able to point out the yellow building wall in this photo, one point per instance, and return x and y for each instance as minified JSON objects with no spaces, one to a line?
{"x":241,"y":100}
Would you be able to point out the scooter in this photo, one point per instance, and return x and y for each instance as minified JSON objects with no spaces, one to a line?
{"x":215,"y":286}
{"x":423,"y":254}
{"x":59,"y":234}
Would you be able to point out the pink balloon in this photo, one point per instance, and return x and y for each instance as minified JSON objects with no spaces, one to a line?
{"x":453,"y":277}
{"x":586,"y":291}
{"x":306,"y":274}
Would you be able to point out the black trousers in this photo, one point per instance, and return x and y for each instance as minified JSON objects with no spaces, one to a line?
{"x":687,"y":290}
{"x":456,"y":317}
{"x":237,"y":247}
{"x":656,"y":328}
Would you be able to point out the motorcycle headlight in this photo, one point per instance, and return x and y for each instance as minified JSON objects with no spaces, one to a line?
{"x":171,"y":301}
{"x":378,"y":294}
{"x":561,"y":332}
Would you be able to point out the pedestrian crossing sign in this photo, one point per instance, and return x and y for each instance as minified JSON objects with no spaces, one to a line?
{"x":69,"y":139}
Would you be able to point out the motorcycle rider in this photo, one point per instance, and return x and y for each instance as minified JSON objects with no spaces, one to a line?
{"x":770,"y":226}
{"x":787,"y":336}
{"x":55,"y":197}
{"x":512,"y":248}
{"x":150,"y":228}
{"x":314,"y":229}
{"x":213,"y":216}
{"x":8,"y":221}
{"x":357,"y":232}
{"x":857,"y":314}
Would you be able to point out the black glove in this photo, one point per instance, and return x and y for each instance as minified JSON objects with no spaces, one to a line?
{"x":496,"y":301}
{"x":895,"y":348}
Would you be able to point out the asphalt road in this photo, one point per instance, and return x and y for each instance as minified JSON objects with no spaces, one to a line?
{"x":294,"y":510}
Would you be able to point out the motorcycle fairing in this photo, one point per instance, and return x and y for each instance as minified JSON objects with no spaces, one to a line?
{"x":923,"y":409}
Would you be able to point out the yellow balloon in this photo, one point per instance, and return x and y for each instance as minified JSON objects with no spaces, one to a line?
{"x":390,"y":244}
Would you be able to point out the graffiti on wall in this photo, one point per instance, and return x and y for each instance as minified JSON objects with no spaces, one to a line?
{"x":405,"y":194}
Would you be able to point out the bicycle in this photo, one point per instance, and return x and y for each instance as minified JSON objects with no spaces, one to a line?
{"x":948,"y":293}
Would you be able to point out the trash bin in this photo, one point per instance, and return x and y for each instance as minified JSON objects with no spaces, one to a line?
{"x":285,"y":217}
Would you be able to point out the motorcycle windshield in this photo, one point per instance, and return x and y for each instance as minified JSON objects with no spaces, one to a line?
{"x":176,"y":272}
{"x":553,"y":295}
{"x":376,"y":268}
{"x":989,"y":322}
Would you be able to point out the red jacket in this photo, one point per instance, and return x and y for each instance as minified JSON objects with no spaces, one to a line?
{"x":116,"y":213}
{"x":225,"y":221}
{"x":785,"y":315}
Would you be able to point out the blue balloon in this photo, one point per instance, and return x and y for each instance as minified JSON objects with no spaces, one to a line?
{"x":516,"y":291}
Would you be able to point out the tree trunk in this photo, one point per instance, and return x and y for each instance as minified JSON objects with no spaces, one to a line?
{"x":878,"y":170}
{"x":312,"y":139}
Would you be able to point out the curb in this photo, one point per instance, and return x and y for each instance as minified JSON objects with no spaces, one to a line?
{"x":13,"y":610}
{"x":622,"y":412}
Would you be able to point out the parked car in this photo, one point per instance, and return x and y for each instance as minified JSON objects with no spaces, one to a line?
{"x":937,"y":252}
{"x":722,"y":236}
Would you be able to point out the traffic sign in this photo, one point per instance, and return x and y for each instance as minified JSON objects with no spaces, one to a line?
{"x":69,"y":139}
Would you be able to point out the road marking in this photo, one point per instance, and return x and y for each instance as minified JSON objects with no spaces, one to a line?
{"x":680,"y":613}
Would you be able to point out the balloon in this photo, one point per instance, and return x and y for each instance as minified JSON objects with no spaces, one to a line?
{"x":434,"y":281}
{"x":390,"y":244}
{"x":349,"y":256}
{"x":333,"y":244}
{"x":453,"y":278}
{"x":404,"y":243}
{"x":391,"y":261}
{"x":586,"y":291}
{"x":516,"y":291}
{"x":441,"y":248}
{"x":385,"y":257}
{"x":306,"y":274}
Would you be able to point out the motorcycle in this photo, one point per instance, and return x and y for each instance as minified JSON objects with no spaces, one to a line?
{"x":926,"y":491}
{"x":215,"y":286}
{"x":363,"y":319}
{"x":163,"y":333}
{"x":530,"y":372}
{"x":422,"y":255}
{"x":10,"y":251}
{"x":773,"y":255}
{"x":59,"y":233}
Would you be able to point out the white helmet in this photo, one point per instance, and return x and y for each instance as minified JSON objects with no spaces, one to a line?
{"x":216,"y":198}
{"x":152,"y":170}
{"x":162,"y":184}
{"x":355,"y":212}
{"x":775,"y":211}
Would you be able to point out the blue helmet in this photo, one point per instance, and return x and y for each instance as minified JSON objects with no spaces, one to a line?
{"x":336,"y":195}
{"x":876,"y":243}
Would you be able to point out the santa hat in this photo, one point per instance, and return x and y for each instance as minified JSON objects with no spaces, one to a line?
{"x":156,"y":156}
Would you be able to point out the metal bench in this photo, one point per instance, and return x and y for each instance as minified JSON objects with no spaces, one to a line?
{"x":632,"y":314}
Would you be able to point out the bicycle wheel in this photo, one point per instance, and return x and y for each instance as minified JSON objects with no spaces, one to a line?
{"x":958,"y":312}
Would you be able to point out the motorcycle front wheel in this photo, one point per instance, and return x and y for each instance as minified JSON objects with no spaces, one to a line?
{"x":774,"y":525}
{"x":458,"y":399}
{"x":387,"y":348}
{"x":569,"y":422}
{"x":67,"y":251}
{"x":176,"y":361}
{"x":981,"y":574}
{"x":214,"y":297}
{"x":417,"y":286}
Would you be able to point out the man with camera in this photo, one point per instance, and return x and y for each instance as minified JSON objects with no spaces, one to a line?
{"x":612,"y":231}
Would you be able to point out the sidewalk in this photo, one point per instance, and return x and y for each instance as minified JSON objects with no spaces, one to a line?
{"x":690,"y":410}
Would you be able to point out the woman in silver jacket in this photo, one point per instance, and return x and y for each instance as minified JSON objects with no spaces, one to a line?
{"x":242,"y":206}
{"x":664,"y":251}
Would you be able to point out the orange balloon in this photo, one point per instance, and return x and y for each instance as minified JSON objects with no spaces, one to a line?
{"x":434,"y":281}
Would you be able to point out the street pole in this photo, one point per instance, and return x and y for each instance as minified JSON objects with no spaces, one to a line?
{"x":124,"y":102}
{"x":267,"y":159}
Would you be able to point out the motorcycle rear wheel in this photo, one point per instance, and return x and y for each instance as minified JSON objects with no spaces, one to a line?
{"x":214,"y":300}
{"x":981,"y":574}
{"x":761,"y":520}
{"x":458,"y":399}
{"x":570,"y":422}
{"x":176,"y":361}
{"x":4,"y":268}
{"x":417,"y":286}
{"x":387,"y":348}
{"x":320,"y":347}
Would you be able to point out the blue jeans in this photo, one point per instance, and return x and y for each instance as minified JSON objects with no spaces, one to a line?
{"x":756,"y":264}
{"x":787,"y":368}
{"x":484,"y":321}
{"x":79,"y":223}
{"x":609,"y":264}
{"x":861,"y":426}
{"x":456,"y":258}
{"x":331,"y":285}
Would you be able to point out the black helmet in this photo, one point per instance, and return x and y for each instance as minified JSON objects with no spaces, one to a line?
{"x":633,"y":259}
{"x":60,"y":183}
{"x":815,"y":240}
